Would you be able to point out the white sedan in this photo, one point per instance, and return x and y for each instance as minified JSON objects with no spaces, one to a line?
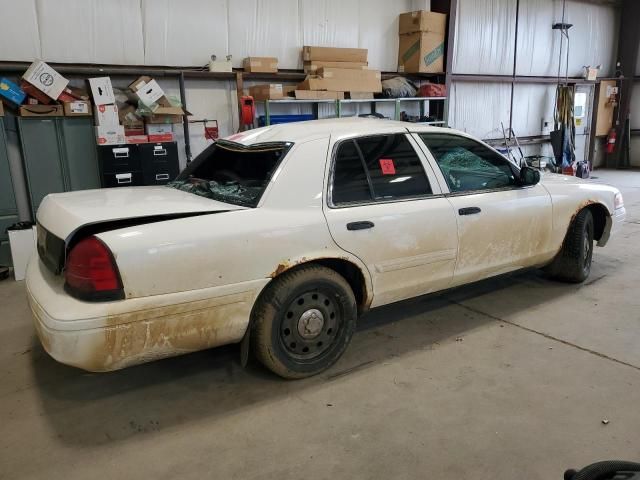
{"x":280,"y":237}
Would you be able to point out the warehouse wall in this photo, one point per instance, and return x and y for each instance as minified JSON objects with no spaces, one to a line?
{"x":485,"y":43}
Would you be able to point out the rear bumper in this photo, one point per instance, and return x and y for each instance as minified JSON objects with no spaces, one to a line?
{"x":112,"y":335}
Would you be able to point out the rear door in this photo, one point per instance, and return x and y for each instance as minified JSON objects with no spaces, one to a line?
{"x":384,"y":206}
{"x":502,"y":226}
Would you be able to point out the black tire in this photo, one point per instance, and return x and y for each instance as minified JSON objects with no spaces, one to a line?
{"x":303,"y":321}
{"x":573,"y":263}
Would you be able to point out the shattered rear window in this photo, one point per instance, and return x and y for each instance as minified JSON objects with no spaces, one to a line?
{"x":232,"y":173}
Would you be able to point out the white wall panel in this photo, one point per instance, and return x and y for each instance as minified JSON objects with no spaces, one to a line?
{"x":532,"y":103}
{"x":485,"y":38}
{"x":329,"y":23}
{"x":378,"y":31}
{"x":478,"y":108}
{"x":19,"y":36}
{"x":593,"y":37}
{"x":91,"y":31}
{"x":635,"y":106}
{"x":265,"y":28}
{"x":184,"y":33}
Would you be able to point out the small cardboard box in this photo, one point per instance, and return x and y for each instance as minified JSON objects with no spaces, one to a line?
{"x":591,"y":73}
{"x":311,"y":67}
{"x":149,"y":92}
{"x":131,"y":131}
{"x":106,"y":115}
{"x":102,"y":91}
{"x":318,"y":95}
{"x":77,"y":108}
{"x":110,"y":135}
{"x":422,"y":21}
{"x":330,"y":54}
{"x":33,"y":92}
{"x":260,"y":64}
{"x":359,"y":95}
{"x":161,"y":137}
{"x":271,"y":91}
{"x":137,"y":138}
{"x":159,"y":129}
{"x":45,"y":79}
{"x":348,"y":73}
{"x":421,"y":52}
{"x":41,"y":111}
{"x":11,"y":92}
{"x":341,"y":84}
{"x":77,"y":93}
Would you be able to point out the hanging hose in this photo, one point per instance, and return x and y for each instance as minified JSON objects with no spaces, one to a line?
{"x":603,"y":470}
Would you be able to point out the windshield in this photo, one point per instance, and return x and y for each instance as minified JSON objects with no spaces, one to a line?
{"x":232,"y":173}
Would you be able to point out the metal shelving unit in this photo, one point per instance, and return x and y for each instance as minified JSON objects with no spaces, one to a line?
{"x":339,"y":103}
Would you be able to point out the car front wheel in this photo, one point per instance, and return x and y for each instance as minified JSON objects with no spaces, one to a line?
{"x":573,"y":263}
{"x":304,"y":321}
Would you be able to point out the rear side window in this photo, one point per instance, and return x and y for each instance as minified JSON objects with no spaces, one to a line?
{"x":378,"y":168}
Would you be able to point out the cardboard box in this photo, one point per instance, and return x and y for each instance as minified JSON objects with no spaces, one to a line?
{"x":134,"y":131}
{"x":45,"y":79}
{"x":161,"y":137}
{"x":11,"y":92}
{"x":77,"y":108}
{"x":422,"y":21}
{"x":318,"y":95}
{"x":136,"y":138}
{"x":110,"y":135}
{"x":1,"y":110}
{"x":311,"y":67}
{"x":421,"y":52}
{"x":221,"y":66}
{"x":32,"y":101}
{"x":158,"y":129}
{"x":591,"y":73}
{"x":348,"y":74}
{"x":288,"y":91}
{"x":77,"y":93}
{"x":359,"y":95}
{"x":330,"y":54}
{"x":341,"y":84}
{"x":33,"y":92}
{"x":270,"y":91}
{"x":106,"y":115}
{"x":149,"y":92}
{"x":41,"y":111}
{"x":260,"y":64}
{"x":102,"y":91}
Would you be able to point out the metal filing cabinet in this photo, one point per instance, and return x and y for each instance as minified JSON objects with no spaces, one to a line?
{"x":159,"y":162}
{"x":8,"y":209}
{"x":59,"y":155}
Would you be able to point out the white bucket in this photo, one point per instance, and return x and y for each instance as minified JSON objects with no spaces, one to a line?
{"x":23,"y":244}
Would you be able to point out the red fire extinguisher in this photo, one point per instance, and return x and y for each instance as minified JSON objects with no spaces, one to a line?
{"x":611,"y":141}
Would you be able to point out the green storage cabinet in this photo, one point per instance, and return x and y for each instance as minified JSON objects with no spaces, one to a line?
{"x":8,"y":209}
{"x":59,"y":155}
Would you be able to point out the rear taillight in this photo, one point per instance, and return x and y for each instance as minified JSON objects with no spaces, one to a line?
{"x":91,"y":272}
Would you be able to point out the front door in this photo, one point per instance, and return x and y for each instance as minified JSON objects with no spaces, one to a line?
{"x":502,"y":226}
{"x":386,"y":208}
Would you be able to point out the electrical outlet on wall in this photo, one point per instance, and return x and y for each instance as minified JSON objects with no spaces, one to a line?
{"x":547,"y":126}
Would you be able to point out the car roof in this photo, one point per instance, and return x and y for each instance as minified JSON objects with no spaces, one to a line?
{"x":339,"y":127}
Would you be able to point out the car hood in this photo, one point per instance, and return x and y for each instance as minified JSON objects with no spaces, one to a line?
{"x":63,"y":213}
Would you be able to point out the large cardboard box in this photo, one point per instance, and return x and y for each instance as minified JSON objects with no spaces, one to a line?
{"x":348,"y":73}
{"x":102,"y":91}
{"x":421,"y":52}
{"x":318,"y":95}
{"x":45,"y":79}
{"x":41,"y":111}
{"x":261,"y":64}
{"x":270,"y":91}
{"x":311,"y":67}
{"x":106,"y":115}
{"x":110,"y":135}
{"x":34,"y":93}
{"x":167,"y":115}
{"x":422,"y":21}
{"x":330,"y":54}
{"x":77,"y":108}
{"x":341,"y":84}
{"x":11,"y":92}
{"x":149,"y":92}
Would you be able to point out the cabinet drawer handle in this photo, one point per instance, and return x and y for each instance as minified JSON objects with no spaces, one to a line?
{"x":121,"y":152}
{"x":162,"y":176}
{"x":122,"y":178}
{"x":159,"y":152}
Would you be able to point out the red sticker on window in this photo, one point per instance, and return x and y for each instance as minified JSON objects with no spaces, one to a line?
{"x":387,"y":166}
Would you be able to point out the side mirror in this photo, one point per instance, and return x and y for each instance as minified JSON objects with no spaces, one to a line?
{"x":529,"y":176}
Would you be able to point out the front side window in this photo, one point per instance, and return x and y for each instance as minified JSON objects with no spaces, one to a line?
{"x":232,"y":173}
{"x":468,"y":165}
{"x":377,"y":168}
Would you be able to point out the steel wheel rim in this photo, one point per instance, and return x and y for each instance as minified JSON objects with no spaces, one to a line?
{"x":587,"y":249}
{"x":310,"y":325}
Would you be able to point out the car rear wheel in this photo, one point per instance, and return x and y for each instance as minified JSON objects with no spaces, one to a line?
{"x":304,"y":321}
{"x":573,"y":263}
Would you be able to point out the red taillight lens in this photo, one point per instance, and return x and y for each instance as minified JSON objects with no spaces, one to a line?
{"x":91,"y":272}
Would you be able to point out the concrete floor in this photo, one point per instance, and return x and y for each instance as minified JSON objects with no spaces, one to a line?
{"x":508,"y":378}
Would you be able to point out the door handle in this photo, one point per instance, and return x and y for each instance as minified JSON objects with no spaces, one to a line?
{"x":359,"y":225}
{"x":469,"y":210}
